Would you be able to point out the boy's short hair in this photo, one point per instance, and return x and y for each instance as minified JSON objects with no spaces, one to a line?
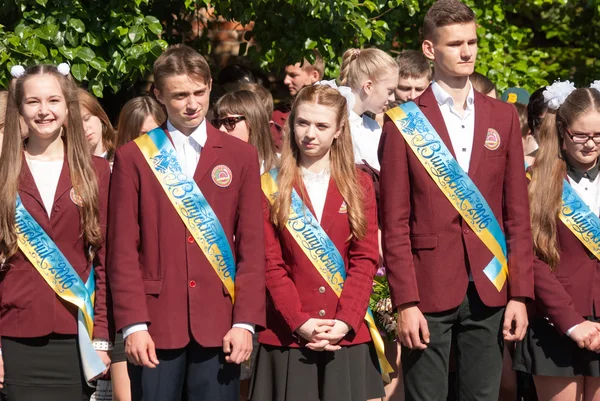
{"x":180,"y":60}
{"x":444,"y":13}
{"x":414,"y":64}
{"x":318,"y":65}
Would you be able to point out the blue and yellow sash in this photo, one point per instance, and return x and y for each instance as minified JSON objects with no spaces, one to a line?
{"x":578,"y":218}
{"x":322,"y":252}
{"x":190,"y":204}
{"x":49,"y":261}
{"x":456,"y":185}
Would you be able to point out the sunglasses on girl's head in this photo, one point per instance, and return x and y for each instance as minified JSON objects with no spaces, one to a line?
{"x":228,"y":122}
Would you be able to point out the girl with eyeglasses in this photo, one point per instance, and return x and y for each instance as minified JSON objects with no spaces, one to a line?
{"x":561,"y":345}
{"x":243,"y":115}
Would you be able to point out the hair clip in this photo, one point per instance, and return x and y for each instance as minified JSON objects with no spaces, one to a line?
{"x":64,"y":69}
{"x":355,"y":53}
{"x":17,"y":71}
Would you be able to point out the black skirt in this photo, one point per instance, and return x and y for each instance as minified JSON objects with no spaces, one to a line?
{"x":546,"y":352}
{"x":44,"y":368}
{"x":299,"y":374}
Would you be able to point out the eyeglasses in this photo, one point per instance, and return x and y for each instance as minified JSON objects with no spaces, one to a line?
{"x":582,"y":137}
{"x":228,"y":122}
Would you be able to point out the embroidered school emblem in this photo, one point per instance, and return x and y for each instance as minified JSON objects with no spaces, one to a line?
{"x":221,"y":175}
{"x":76,"y":199}
{"x":343,"y":208}
{"x":492,"y":139}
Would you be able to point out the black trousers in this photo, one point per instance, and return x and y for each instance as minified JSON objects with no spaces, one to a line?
{"x":199,"y":373}
{"x":476,"y":332}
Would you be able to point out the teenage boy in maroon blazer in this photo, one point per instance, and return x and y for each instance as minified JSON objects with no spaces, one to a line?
{"x":178,"y":319}
{"x":434,"y":261}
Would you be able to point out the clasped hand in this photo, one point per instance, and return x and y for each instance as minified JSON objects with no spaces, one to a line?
{"x":323,"y":334}
{"x":587,"y":335}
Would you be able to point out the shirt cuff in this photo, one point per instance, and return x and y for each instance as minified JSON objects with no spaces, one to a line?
{"x":132,"y":328}
{"x":571,"y":330}
{"x":247,"y":326}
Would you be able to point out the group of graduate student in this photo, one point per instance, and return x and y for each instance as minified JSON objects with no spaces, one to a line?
{"x":204,"y":239}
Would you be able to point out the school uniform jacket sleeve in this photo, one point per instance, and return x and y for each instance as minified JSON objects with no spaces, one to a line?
{"x":363,"y":257}
{"x":249,"y":243}
{"x":551,"y":294}
{"x":516,"y":218}
{"x":394,"y":192}
{"x":100,"y":307}
{"x":280,"y":286}
{"x":124,"y":270}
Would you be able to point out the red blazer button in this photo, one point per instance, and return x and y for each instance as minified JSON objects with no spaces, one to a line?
{"x":192,"y":283}
{"x":466,"y":231}
{"x":191,"y":239}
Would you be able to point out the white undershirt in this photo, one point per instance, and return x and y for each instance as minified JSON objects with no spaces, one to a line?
{"x":46,"y":175}
{"x":366,"y":133}
{"x":316,"y":185}
{"x":188,"y":148}
{"x":460,"y":129}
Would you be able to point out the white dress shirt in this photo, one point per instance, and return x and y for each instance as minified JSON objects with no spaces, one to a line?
{"x":460,"y":128}
{"x":366,"y":133}
{"x":317,"y":185}
{"x":46,"y":175}
{"x":188,"y":148}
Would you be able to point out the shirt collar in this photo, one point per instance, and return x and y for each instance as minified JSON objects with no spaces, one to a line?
{"x":198,"y":135}
{"x":443,"y":97}
{"x":577,"y":175}
{"x":354,"y":118}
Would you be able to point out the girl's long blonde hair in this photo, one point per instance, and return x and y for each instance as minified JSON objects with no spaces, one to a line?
{"x":83,"y":176}
{"x":548,"y":173}
{"x":343,"y":170}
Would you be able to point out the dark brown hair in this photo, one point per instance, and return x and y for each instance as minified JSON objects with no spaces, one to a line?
{"x":83,"y":175}
{"x":180,"y":60}
{"x":263,"y":93}
{"x":318,"y":65}
{"x":548,"y":173}
{"x":343,"y":170}
{"x":249,"y":105}
{"x":132,"y":116}
{"x":444,"y":13}
{"x":414,"y":64}
{"x":481,"y":83}
{"x":89,"y":102}
{"x":522,"y":112}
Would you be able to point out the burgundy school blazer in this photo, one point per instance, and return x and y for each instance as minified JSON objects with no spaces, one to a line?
{"x":158,"y":274}
{"x":572,"y":291}
{"x":427,"y":246}
{"x":29,"y":307}
{"x":298,"y":292}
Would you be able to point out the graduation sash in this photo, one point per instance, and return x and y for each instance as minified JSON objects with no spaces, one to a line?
{"x":322,"y":252}
{"x":579,"y":219}
{"x":455,"y":184}
{"x":54,"y":267}
{"x":191,"y":205}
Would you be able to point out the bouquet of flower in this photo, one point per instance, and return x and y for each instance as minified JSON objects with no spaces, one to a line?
{"x":381,"y":305}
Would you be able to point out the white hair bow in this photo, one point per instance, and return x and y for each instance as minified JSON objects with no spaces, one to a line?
{"x":345,"y":91}
{"x":556,"y":94}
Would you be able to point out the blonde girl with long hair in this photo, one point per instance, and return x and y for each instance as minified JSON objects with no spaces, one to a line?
{"x":372,"y":76}
{"x":316,"y":345}
{"x":561,"y":345}
{"x":65,"y":190}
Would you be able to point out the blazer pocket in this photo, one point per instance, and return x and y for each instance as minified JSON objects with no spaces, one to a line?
{"x":17,"y":288}
{"x":424,"y":241}
{"x":153,"y":287}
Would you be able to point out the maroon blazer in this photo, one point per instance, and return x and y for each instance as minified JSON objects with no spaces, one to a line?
{"x":298,"y":292}
{"x":158,"y":274}
{"x":29,"y":307}
{"x":427,"y":246}
{"x":572,"y":291}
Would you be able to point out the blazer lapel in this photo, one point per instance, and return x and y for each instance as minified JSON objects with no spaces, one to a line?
{"x":64,"y":181}
{"x":482,"y":118}
{"x":333,"y":202}
{"x":430,"y":107}
{"x":209,"y":153}
{"x":27,"y":183}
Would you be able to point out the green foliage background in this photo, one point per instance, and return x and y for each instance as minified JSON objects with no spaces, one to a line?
{"x":112,"y":44}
